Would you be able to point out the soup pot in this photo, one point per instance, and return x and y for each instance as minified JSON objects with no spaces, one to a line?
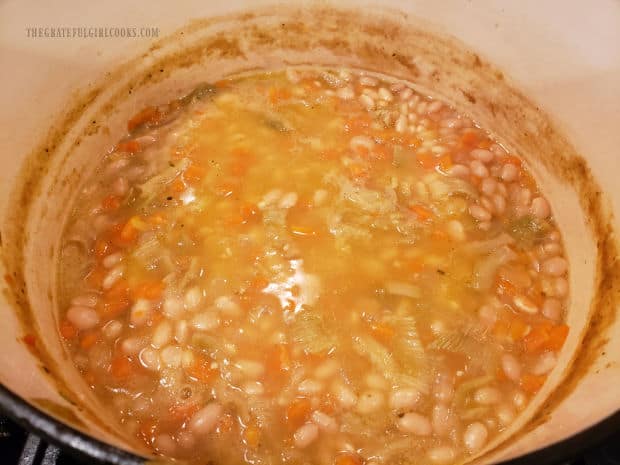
{"x":544,"y":77}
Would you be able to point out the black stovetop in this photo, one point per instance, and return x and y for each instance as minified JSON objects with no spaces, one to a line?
{"x":18,"y":447}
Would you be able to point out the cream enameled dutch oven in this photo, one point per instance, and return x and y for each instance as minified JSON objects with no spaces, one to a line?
{"x":543,"y":76}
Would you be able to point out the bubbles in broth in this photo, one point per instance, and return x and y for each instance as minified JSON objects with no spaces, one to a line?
{"x":312,"y":266}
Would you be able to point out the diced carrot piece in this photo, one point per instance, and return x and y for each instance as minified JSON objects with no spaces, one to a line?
{"x":201,"y":370}
{"x":531,"y":384}
{"x":182,"y":412}
{"x":278,"y":360}
{"x":121,"y":367}
{"x":149,"y":115}
{"x":518,"y":329}
{"x":512,"y":160}
{"x":194,"y":173}
{"x":505,"y":287}
{"x":89,"y":339}
{"x":67,"y":330}
{"x":277,"y":94}
{"x":445,"y":162}
{"x":298,"y":411}
{"x":485,"y":144}
{"x":150,"y":290}
{"x":225,"y":423}
{"x":423,"y":213}
{"x":128,"y":234}
{"x":225,"y":188}
{"x":116,"y":299}
{"x":469,"y":138}
{"x":131,"y":146}
{"x":538,"y":338}
{"x":156,"y":218}
{"x":426,"y":160}
{"x":557,"y":336}
{"x":347,"y":459}
{"x":110,"y":202}
{"x":251,"y":435}
{"x":382,"y":331}
{"x":249,"y":213}
{"x":177,"y":185}
{"x":101,"y":248}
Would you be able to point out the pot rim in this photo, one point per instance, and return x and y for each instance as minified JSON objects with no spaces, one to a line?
{"x":85,"y":446}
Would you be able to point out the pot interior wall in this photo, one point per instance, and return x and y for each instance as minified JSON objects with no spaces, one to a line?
{"x":275,"y":38}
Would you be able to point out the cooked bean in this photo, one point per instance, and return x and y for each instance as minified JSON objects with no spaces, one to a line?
{"x":540,"y":208}
{"x":511,"y":367}
{"x":172,"y":356}
{"x":456,"y":230}
{"x":164,"y":444}
{"x":86,"y":300}
{"x":556,"y":266}
{"x":525,"y":304}
{"x":505,"y":414}
{"x":441,"y":420}
{"x":83,"y":318}
{"x":324,"y":422}
{"x":253,"y":388}
{"x":459,"y":171}
{"x":162,"y":335}
{"x":488,"y":186}
{"x":404,"y":398}
{"x":370,"y":401}
{"x":149,"y":358}
{"x":251,"y":368}
{"x":112,"y":277}
{"x":140,"y":312}
{"x":205,"y":321}
{"x":475,"y":437}
{"x":306,"y":435}
{"x":173,"y":307}
{"x":228,"y":306}
{"x":367,"y":101}
{"x":509,"y":172}
{"x":385,"y":94}
{"x":552,"y":309}
{"x":112,"y":329}
{"x":310,"y":387}
{"x":545,"y":363}
{"x":485,"y":156}
{"x":415,"y":423}
{"x":192,"y":298}
{"x":205,"y":419}
{"x":487,"y":395}
{"x":345,"y":396}
{"x":479,"y":213}
{"x":478,"y":169}
{"x":112,"y":260}
{"x":442,"y":455}
{"x":327,"y":369}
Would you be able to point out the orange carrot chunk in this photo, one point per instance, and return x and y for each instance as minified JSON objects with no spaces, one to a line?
{"x":297,"y":412}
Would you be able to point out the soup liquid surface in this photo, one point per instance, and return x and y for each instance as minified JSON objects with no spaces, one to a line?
{"x":312,"y":266}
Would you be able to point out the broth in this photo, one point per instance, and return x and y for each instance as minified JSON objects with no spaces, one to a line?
{"x":312,"y":266}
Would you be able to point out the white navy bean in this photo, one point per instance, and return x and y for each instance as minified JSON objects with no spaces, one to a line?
{"x":404,"y":398}
{"x":306,"y":435}
{"x":83,"y":317}
{"x":415,"y":423}
{"x":370,"y":401}
{"x":475,"y":437}
{"x":511,"y":367}
{"x":205,"y":419}
{"x":556,"y":266}
{"x":324,"y":422}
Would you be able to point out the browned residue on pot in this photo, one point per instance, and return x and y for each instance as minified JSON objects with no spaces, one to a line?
{"x":380,"y":43}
